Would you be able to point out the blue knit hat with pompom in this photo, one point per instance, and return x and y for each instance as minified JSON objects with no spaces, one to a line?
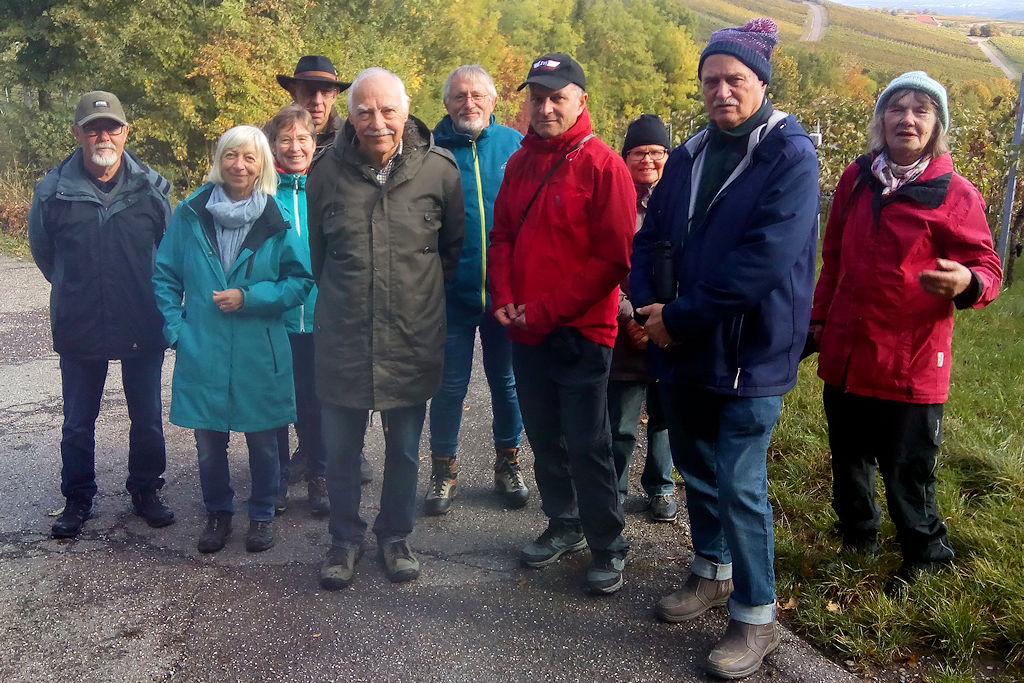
{"x":752,"y":44}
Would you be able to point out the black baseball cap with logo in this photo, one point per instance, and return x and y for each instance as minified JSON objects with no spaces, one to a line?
{"x":555,"y":70}
{"x":99,"y":104}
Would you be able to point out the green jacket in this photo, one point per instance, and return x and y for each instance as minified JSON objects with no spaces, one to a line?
{"x":381,"y":256}
{"x":233,"y":371}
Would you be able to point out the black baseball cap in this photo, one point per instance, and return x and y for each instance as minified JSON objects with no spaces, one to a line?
{"x":555,"y":70}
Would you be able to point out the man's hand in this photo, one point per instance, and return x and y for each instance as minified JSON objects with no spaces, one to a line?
{"x":655,"y":326}
{"x":510,"y":314}
{"x":228,"y":300}
{"x":947,"y":280}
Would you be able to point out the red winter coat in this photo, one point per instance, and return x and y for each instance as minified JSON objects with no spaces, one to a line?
{"x":567,"y":260}
{"x":884,"y":336}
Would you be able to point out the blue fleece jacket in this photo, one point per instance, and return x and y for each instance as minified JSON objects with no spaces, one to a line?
{"x":482,"y":166}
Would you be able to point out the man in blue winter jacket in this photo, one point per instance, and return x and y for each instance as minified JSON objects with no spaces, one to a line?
{"x":481,"y":147}
{"x":724,"y":268}
{"x":94,"y":227}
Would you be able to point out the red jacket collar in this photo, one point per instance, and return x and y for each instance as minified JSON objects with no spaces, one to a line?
{"x":560,"y":143}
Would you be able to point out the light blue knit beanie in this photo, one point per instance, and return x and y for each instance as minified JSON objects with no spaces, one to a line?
{"x":917,"y":80}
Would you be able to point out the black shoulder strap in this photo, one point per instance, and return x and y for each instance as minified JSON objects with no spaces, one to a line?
{"x":554,"y":168}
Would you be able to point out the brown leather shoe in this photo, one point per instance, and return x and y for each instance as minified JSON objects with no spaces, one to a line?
{"x":696,"y":597}
{"x":742,"y":649}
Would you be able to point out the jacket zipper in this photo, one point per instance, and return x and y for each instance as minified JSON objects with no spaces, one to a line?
{"x":273,"y":355}
{"x":739,"y":336}
{"x":298,"y":231}
{"x":483,"y":229}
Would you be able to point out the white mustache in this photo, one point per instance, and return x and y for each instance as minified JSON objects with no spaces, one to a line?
{"x":380,"y":133}
{"x":727,"y":102}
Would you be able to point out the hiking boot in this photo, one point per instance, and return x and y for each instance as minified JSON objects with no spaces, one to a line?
{"x":550,"y":546}
{"x":260,"y":536}
{"x":910,"y":573}
{"x":508,"y":478}
{"x":399,"y":562}
{"x":149,"y":506}
{"x":338,"y":567}
{"x":365,"y":469}
{"x":444,"y":485}
{"x":696,"y":597}
{"x":319,"y":504}
{"x":69,"y":523}
{"x":281,"y":504}
{"x":297,"y":468}
{"x":742,"y":649}
{"x":215,"y":535}
{"x":861,"y":544}
{"x":604,"y":576}
{"x":663,"y":509}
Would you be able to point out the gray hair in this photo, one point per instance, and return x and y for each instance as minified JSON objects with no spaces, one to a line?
{"x":375,"y":72}
{"x":287,"y":117}
{"x":937,"y":146}
{"x":469,"y":72}
{"x":239,"y":136}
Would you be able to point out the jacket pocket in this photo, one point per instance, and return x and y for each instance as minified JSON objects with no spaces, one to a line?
{"x":273,"y":354}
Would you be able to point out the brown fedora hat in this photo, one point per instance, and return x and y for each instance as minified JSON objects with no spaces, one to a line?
{"x":313,"y":69}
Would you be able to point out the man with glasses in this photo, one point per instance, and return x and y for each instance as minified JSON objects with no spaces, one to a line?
{"x":481,"y":147}
{"x":315,"y":87}
{"x":94,"y":226}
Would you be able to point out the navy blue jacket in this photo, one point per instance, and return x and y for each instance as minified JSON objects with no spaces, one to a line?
{"x":100,"y":259}
{"x":744,"y":276}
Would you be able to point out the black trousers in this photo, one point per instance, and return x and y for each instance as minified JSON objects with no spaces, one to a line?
{"x":901,"y":440}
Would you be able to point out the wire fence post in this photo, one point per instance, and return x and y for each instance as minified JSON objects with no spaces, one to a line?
{"x":1011,"y":184}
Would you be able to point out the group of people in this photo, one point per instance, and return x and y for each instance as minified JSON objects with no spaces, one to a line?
{"x":332,"y":267}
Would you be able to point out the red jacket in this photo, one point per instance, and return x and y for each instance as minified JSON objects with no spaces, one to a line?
{"x":884,"y":336}
{"x":566,"y":261}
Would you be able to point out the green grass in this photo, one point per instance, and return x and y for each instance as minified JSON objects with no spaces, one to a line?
{"x":715,"y":14}
{"x":1012,"y":47}
{"x":975,"y":609}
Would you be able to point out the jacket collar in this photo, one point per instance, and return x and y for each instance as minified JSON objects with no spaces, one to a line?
{"x":929,"y":190}
{"x":72,"y":180}
{"x":560,"y":143}
{"x":266,"y":226}
{"x":291,"y":180}
{"x":445,"y":133}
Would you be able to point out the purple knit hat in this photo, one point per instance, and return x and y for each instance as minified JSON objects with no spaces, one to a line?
{"x":752,"y":44}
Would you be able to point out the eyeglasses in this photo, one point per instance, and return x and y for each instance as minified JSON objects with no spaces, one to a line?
{"x":462,"y":97}
{"x":654,"y":154}
{"x":112,"y":128}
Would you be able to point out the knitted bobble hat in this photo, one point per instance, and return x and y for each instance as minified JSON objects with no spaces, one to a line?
{"x":922,"y":82}
{"x":752,"y":44}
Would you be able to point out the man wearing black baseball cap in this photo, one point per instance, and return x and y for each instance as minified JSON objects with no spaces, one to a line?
{"x":94,"y":226}
{"x":315,"y":86}
{"x":563,"y":222}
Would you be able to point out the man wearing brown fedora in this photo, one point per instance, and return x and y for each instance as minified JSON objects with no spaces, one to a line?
{"x":315,"y":87}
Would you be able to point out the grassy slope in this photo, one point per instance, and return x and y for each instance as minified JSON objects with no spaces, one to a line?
{"x":975,"y":609}
{"x":1012,"y":47}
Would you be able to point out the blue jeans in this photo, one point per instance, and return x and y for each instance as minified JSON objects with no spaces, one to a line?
{"x":625,"y":400}
{"x":720,"y":446}
{"x":344,"y":432}
{"x":308,"y":426}
{"x":82,"y":383}
{"x":215,"y":475}
{"x":446,"y":406}
{"x":563,"y":393}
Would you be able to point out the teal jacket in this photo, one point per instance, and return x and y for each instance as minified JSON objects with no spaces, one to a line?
{"x":233,"y":371}
{"x":482,"y":166}
{"x":291,"y":198}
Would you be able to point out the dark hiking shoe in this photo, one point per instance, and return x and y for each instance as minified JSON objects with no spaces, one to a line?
{"x":260,"y":536}
{"x":69,"y":523}
{"x":215,"y":535}
{"x":696,"y":597}
{"x":742,"y":649}
{"x":399,"y":562}
{"x":508,"y":478}
{"x":297,"y":468}
{"x":319,"y":504}
{"x":663,"y":509}
{"x":550,"y":546}
{"x":338,"y":567}
{"x":281,"y":504}
{"x":604,"y":576}
{"x":444,"y":486}
{"x":149,"y":506}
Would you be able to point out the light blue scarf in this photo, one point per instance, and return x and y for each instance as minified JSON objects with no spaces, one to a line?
{"x":233,"y":221}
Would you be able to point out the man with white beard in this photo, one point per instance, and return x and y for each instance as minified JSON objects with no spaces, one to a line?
{"x":94,"y":227}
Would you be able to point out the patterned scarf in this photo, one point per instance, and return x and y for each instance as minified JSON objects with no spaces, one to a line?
{"x":233,"y":221}
{"x":893,"y":176}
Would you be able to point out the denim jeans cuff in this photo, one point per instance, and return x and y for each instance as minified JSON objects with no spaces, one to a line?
{"x":706,"y":569}
{"x":382,"y":541}
{"x":752,"y":614}
{"x":660,"y":491}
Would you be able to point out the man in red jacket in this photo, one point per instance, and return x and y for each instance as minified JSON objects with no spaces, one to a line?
{"x":563,"y":223}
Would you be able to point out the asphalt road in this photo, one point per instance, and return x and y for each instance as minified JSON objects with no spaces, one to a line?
{"x":128,"y":603}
